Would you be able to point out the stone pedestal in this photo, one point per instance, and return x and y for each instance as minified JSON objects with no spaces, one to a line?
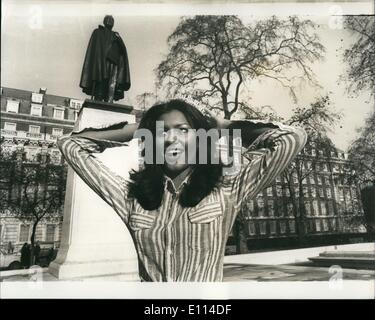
{"x":346,"y":259}
{"x":95,"y":243}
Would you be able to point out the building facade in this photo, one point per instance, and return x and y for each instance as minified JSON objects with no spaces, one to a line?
{"x":316,"y":193}
{"x":31,"y":122}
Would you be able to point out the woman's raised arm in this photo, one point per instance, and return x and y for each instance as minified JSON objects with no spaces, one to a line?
{"x":121,"y":132}
{"x":80,"y":149}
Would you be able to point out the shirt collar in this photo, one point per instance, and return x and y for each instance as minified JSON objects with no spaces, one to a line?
{"x":169,"y":184}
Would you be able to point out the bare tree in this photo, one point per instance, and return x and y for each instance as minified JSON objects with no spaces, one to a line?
{"x":317,"y":119}
{"x":211,"y":58}
{"x":296,"y":174}
{"x":361,"y":155}
{"x":362,"y":152}
{"x":145,"y":100}
{"x":360,"y":56}
{"x":32,"y":192}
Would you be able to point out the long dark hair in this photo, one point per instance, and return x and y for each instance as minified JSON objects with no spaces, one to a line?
{"x":147,"y":185}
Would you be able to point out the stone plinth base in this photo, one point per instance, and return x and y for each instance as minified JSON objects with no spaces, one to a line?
{"x":95,"y":242}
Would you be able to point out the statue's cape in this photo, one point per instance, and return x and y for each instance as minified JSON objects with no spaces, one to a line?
{"x":105,"y":46}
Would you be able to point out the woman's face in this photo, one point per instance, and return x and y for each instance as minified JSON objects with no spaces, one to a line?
{"x":177,"y":142}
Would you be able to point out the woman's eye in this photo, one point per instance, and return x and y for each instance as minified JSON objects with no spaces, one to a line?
{"x":184,"y":130}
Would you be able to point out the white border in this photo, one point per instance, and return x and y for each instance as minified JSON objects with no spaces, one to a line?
{"x":348,"y":289}
{"x":82,"y":8}
{"x":231,"y":290}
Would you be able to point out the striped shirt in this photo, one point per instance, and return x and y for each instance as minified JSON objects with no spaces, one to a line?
{"x":176,"y":243}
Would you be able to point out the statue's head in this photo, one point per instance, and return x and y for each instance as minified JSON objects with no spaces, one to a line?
{"x":109,"y":22}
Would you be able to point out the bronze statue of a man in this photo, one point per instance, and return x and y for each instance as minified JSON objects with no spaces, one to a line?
{"x":105,"y":73}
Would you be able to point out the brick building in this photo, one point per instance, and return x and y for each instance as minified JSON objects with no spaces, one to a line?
{"x":31,"y":122}
{"x":332,"y":204}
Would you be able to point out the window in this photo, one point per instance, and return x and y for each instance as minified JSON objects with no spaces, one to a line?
{"x":36,"y":110}
{"x":341,"y":194}
{"x":296,"y":191}
{"x":282,"y":227}
{"x":317,"y":225}
{"x":269,"y":192}
{"x":290,"y":209}
{"x":315,"y":206}
{"x":10,"y":126}
{"x":271,"y":210}
{"x":34,"y":129}
{"x":325,"y":225}
{"x":12,"y":106}
{"x":39,"y":233}
{"x":273,"y":227}
{"x":331,"y":208}
{"x":321,"y":193}
{"x":262,"y":227}
{"x":323,"y":208}
{"x":313,"y":192}
{"x":313,"y":152}
{"x":329,"y":193}
{"x":250,"y":205}
{"x":278,"y":178}
{"x":32,"y":154}
{"x":325,"y":167}
{"x":279,"y":191}
{"x":334,"y":224}
{"x":75,"y":104}
{"x":347,"y":194}
{"x":50,"y":233}
{"x":57,"y":132}
{"x":304,"y":190}
{"x":252,"y":231}
{"x":311,"y":225}
{"x":55,"y":156}
{"x":327,"y":181}
{"x":312,"y":180}
{"x":261,"y":207}
{"x":309,"y":165}
{"x":287,"y":192}
{"x":319,"y":179}
{"x":295,"y":178}
{"x":354,"y":193}
{"x":292,"y":226}
{"x":24,"y":233}
{"x":304,"y":181}
{"x":308,"y":208}
{"x":58,"y":113}
{"x":37,"y":97}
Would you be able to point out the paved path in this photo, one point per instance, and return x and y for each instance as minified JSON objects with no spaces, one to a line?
{"x":281,"y":265}
{"x":253,"y":272}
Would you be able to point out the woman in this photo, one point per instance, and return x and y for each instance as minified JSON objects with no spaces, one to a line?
{"x":180,"y":214}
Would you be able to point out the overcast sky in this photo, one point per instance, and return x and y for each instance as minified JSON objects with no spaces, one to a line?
{"x":43,"y":44}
